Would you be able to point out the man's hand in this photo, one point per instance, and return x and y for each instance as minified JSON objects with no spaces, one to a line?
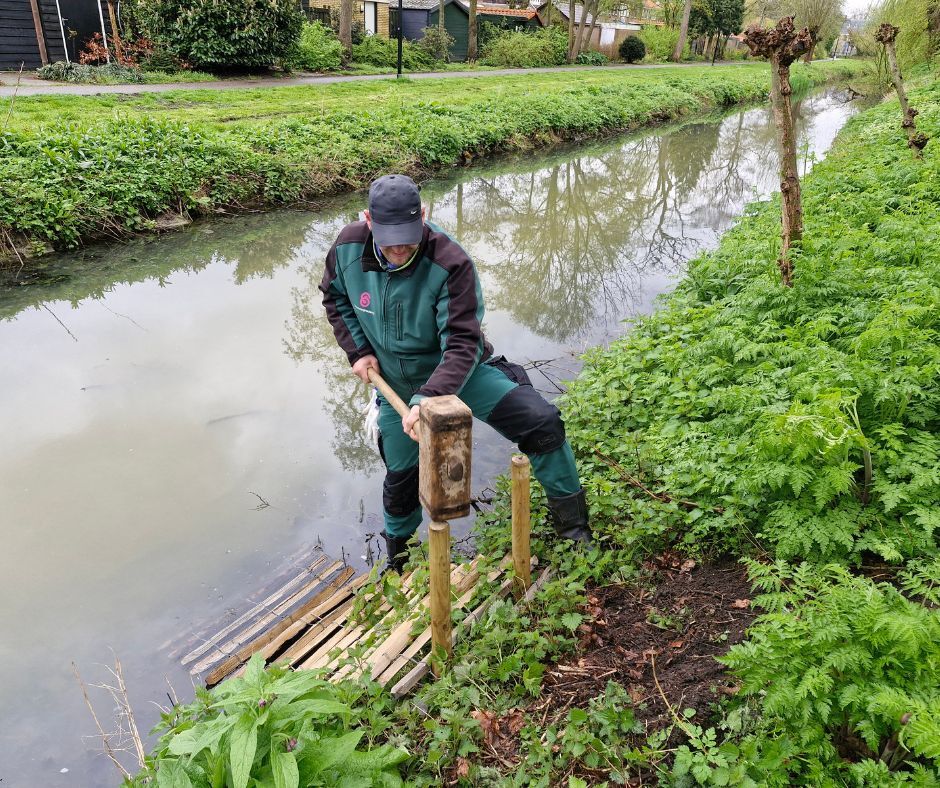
{"x":361,"y":368}
{"x":408,"y":423}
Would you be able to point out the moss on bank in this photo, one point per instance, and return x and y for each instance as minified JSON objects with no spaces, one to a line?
{"x":74,"y":169}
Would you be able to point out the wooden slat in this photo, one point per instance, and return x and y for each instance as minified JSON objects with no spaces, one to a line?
{"x":314,"y":644}
{"x":397,"y":640}
{"x":263,"y":605}
{"x":308,"y":613}
{"x":267,"y":620}
{"x":386,"y":674}
{"x":410,"y":681}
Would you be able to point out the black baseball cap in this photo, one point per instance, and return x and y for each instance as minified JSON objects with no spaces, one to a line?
{"x":395,"y":208}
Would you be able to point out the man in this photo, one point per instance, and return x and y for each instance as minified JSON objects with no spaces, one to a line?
{"x":404,"y":299}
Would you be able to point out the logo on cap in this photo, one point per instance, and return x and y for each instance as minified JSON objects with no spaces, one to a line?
{"x":364,"y":300}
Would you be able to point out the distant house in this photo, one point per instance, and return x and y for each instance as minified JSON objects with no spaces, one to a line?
{"x":34,"y":32}
{"x":373,"y":15}
{"x":457,"y":21}
{"x":608,"y":33}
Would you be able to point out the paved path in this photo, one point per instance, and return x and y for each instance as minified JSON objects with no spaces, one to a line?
{"x":30,"y":85}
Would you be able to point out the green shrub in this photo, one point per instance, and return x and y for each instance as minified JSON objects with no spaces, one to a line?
{"x":632,"y":49}
{"x":317,"y":49}
{"x":659,"y":42}
{"x":107,"y":74}
{"x":436,"y":42}
{"x":245,"y":33}
{"x":270,"y":727}
{"x":844,"y":669}
{"x":383,"y":52}
{"x":592,"y":58}
{"x":518,"y":49}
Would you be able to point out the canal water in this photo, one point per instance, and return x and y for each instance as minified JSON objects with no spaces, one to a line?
{"x":178,"y":425}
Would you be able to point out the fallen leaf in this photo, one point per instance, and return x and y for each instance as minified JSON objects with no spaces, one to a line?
{"x":677,"y":644}
{"x":687,"y":566}
{"x":488,"y":724}
{"x":514,"y":721}
{"x":741,"y":604}
{"x":463,"y":767}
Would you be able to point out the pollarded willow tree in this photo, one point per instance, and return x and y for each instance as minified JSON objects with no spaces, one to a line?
{"x":916,"y":140}
{"x":782,"y":45}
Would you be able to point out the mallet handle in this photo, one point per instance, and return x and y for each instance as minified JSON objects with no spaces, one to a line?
{"x":393,"y":399}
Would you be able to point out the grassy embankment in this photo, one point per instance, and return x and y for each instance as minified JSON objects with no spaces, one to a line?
{"x":78,"y":168}
{"x":799,"y":428}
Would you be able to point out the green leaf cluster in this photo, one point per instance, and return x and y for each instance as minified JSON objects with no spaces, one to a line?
{"x":272,"y":727}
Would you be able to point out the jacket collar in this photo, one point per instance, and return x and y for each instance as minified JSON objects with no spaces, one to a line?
{"x":371,"y":263}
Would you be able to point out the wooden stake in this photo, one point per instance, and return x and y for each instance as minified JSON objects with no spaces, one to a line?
{"x":521,"y":523}
{"x":441,"y":624}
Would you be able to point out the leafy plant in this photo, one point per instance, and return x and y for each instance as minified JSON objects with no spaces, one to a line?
{"x":846,"y":667}
{"x":437,"y":42}
{"x":317,"y":49}
{"x":591,"y":58}
{"x":107,"y":74}
{"x":269,"y":727}
{"x":519,"y":49}
{"x":383,"y":52}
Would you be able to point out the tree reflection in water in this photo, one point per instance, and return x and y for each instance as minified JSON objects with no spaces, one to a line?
{"x":567,"y":243}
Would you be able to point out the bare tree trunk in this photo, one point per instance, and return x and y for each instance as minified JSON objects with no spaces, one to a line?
{"x":782,"y":45}
{"x":571,"y":12}
{"x":790,"y":197}
{"x":472,"y":31}
{"x":916,"y":140}
{"x":345,"y":27}
{"x":588,"y":8}
{"x":683,"y":32}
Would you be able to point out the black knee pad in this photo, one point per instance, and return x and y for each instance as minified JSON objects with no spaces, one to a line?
{"x":528,"y":420}
{"x":400,"y":492}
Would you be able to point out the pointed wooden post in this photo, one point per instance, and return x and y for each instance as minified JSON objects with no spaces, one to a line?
{"x":444,"y":486}
{"x":441,"y":621}
{"x":521,"y":523}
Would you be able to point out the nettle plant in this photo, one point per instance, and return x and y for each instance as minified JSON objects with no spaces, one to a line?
{"x":273,"y":727}
{"x":846,"y":670}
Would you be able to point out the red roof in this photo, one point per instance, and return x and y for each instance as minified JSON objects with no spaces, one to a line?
{"x":501,"y":10}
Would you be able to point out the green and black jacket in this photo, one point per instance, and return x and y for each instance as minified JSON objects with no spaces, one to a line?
{"x":422,"y":322}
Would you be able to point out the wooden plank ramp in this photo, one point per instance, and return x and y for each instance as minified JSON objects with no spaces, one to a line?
{"x":326,"y":617}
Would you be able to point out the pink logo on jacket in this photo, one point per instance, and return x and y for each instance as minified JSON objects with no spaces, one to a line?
{"x":364,"y":300}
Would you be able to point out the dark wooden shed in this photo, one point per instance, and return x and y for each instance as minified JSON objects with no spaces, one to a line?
{"x":457,"y":21}
{"x":415,"y":16}
{"x":31,"y":33}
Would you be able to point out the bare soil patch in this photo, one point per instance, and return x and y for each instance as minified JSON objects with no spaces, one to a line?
{"x":659,"y":639}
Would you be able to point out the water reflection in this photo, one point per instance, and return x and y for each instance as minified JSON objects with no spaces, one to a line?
{"x":149,"y":389}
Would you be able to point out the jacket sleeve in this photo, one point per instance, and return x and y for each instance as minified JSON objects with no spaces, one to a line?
{"x":459,"y":309}
{"x":340,"y":312}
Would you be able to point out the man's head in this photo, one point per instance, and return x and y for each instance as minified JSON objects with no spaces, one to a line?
{"x":395,"y":217}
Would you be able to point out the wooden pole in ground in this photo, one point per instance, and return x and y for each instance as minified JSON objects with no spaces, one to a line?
{"x":441,"y":623}
{"x":521,"y":522}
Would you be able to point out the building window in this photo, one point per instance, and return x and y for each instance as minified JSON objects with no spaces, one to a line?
{"x":392,"y":20}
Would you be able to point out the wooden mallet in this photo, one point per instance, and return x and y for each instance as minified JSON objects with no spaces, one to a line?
{"x":444,"y":451}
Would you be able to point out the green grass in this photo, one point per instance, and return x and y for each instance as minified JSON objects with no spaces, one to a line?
{"x":162,"y":78}
{"x":114,"y":161}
